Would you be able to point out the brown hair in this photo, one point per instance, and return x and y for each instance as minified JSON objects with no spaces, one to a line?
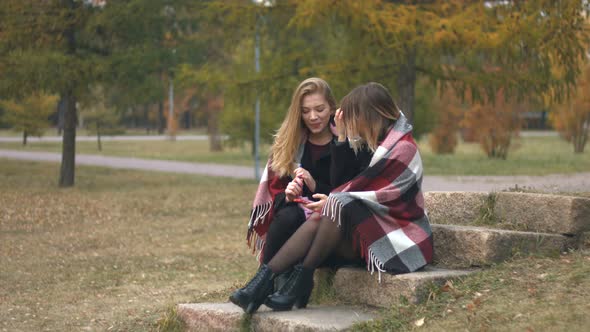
{"x":290,"y":134}
{"x":367,"y":111}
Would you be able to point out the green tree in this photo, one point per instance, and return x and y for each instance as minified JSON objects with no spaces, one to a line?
{"x":66,"y":46}
{"x":98,"y":116}
{"x":30,"y":114}
{"x":50,"y":45}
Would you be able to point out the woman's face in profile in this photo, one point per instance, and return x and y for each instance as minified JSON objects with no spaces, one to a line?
{"x":315,"y":112}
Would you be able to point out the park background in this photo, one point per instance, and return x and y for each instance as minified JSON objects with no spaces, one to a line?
{"x":492,"y":87}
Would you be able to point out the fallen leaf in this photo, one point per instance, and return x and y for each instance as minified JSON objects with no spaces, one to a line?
{"x":419,"y":322}
{"x":447,"y":287}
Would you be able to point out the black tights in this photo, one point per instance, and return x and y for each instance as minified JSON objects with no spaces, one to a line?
{"x":284,"y":224}
{"x":312,"y":243}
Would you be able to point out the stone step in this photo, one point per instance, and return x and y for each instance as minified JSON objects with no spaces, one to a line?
{"x":511,"y":210}
{"x":543,"y":213}
{"x":468,"y":246}
{"x":355,"y":285}
{"x":229,"y":317}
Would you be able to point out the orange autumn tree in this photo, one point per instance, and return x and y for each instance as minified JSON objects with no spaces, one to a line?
{"x":449,"y":109}
{"x":572,"y":118}
{"x":495,"y":122}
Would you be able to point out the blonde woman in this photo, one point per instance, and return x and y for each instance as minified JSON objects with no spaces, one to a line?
{"x":298,"y":168}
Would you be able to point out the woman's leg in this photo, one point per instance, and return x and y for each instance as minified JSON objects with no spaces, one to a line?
{"x":327,"y":239}
{"x":284,"y":224}
{"x":313,"y":245}
{"x":295,"y":249}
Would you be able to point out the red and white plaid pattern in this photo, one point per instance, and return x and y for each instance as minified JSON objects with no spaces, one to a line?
{"x":384,"y":205}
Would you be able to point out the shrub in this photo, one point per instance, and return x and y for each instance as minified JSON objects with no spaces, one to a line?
{"x":495,"y":123}
{"x":572,"y":118}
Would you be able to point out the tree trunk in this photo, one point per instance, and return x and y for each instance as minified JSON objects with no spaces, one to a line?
{"x":213,"y":129}
{"x":60,"y":116}
{"x":25,"y":135}
{"x":161,"y":119}
{"x":68,"y":155}
{"x":98,"y":136}
{"x":68,"y":159}
{"x":146,"y":118}
{"x":214,"y":107}
{"x":406,"y":83}
{"x":580,"y":136}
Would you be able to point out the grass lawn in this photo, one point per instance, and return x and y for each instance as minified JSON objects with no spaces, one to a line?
{"x":116,"y":251}
{"x":123,"y":247}
{"x":529,"y":155}
{"x":85,"y":132}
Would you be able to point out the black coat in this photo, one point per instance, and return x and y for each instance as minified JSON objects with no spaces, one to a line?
{"x":320,"y":173}
{"x":346,"y":164}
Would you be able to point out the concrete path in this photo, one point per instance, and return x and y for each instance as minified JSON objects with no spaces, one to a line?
{"x":578,"y":182}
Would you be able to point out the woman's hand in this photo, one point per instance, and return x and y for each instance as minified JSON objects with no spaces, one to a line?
{"x":303,"y":174}
{"x":319,"y":205}
{"x":340,"y":129}
{"x":294,"y":189}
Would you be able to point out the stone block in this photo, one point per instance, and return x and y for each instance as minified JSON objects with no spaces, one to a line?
{"x":543,"y":213}
{"x":454,"y":207}
{"x":359,"y":286}
{"x":228,"y":317}
{"x":467,"y":246}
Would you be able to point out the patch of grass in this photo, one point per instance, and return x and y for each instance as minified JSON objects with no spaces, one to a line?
{"x":122,"y":248}
{"x":170,"y":322}
{"x":127,"y":132}
{"x":323,"y":292}
{"x":486,"y":215}
{"x":245,"y":324}
{"x":533,"y":293}
{"x":532,"y":156}
{"x":118,"y":249}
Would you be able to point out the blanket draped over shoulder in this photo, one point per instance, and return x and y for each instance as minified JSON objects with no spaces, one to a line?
{"x":262,"y":208}
{"x":384,"y":206}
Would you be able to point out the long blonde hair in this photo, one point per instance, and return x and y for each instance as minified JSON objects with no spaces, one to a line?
{"x":292,"y":130}
{"x":368,"y":111}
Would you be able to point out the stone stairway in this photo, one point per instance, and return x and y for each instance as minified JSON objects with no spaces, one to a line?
{"x":471,"y":230}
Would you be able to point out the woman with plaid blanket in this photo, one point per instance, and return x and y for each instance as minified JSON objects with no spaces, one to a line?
{"x":298,"y":168}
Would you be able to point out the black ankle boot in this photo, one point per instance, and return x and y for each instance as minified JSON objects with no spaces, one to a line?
{"x":251,"y":296}
{"x":295,"y":292}
{"x":282,"y":278}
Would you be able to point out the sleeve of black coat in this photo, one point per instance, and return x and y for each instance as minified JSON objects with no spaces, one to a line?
{"x":345,"y":164}
{"x":323,"y":188}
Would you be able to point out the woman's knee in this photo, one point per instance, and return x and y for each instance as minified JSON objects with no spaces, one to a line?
{"x":289,"y":217}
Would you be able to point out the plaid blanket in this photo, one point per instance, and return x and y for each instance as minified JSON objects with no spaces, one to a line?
{"x":262,"y":208}
{"x":384,"y":206}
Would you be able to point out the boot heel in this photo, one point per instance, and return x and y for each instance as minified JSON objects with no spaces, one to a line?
{"x":253,"y":306}
{"x":257,"y":302}
{"x":295,"y":292}
{"x":302,"y":301}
